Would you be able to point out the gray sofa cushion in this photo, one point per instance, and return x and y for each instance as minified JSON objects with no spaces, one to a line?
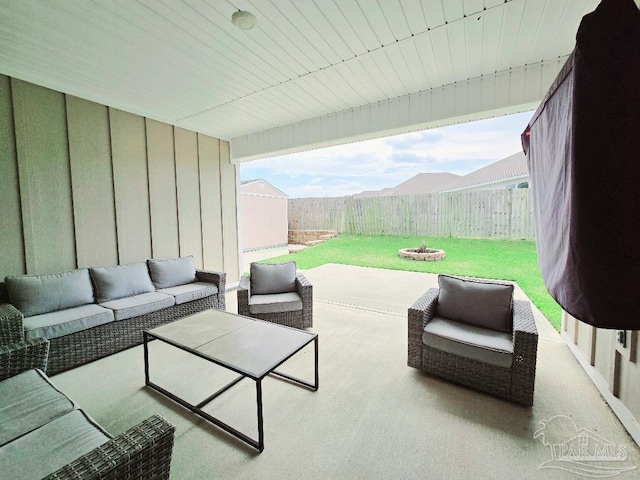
{"x":137,"y":305}
{"x":469,"y":341}
{"x":52,"y":446}
{"x":36,"y":294}
{"x":272,"y":278}
{"x":275,"y":303}
{"x":66,"y":322}
{"x":190,"y":291}
{"x":486,"y":305}
{"x":172,"y":272}
{"x":121,"y":281}
{"x":29,"y":401}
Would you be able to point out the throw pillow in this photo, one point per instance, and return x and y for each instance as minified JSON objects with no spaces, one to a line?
{"x":121,"y":281}
{"x":486,"y":305}
{"x":172,"y":272}
{"x":271,"y":278}
{"x":36,"y":294}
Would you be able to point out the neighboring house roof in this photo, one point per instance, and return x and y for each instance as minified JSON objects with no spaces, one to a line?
{"x":418,"y":184}
{"x":426,"y":183}
{"x":249,"y":187}
{"x":374,"y":193}
{"x":513,"y":167}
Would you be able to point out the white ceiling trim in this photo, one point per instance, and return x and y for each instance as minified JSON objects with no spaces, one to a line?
{"x":508,"y":91}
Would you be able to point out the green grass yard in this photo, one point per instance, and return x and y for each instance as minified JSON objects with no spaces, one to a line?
{"x":500,"y":259}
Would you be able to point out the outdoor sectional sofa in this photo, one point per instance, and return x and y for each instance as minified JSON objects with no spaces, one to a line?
{"x":90,"y":313}
{"x":43,"y":433}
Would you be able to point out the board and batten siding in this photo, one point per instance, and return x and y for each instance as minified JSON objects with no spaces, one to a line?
{"x":165,"y":241}
{"x":613,"y":366}
{"x":229,"y":205}
{"x":131,"y":186}
{"x":12,"y":258}
{"x":83,"y":184}
{"x":92,"y":183}
{"x":44,"y":177}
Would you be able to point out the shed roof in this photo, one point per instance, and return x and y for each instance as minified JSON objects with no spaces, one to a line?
{"x":245,"y":187}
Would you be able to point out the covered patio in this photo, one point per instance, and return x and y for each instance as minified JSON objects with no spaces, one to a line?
{"x":122,"y":128}
{"x":373,"y":417}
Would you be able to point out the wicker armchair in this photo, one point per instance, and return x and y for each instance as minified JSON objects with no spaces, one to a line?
{"x":514,"y":382}
{"x":299,"y":318}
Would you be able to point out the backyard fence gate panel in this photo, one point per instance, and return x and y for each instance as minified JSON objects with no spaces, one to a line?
{"x":500,"y":214}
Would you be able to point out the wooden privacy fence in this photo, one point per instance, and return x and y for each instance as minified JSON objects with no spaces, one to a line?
{"x":504,"y":214}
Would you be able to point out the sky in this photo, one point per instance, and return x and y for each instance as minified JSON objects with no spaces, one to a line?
{"x":386,"y":162}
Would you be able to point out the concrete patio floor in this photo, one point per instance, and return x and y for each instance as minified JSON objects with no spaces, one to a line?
{"x":373,"y":417}
{"x":261,"y":254}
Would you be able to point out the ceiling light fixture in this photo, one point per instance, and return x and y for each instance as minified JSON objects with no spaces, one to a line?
{"x":244,"y":20}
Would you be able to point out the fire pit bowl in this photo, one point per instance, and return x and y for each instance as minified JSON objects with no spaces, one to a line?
{"x":423,"y":254}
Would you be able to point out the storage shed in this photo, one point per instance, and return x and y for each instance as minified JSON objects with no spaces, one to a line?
{"x":263,"y":215}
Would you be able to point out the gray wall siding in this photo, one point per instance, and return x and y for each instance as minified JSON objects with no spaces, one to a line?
{"x":228,"y":174}
{"x":92,"y":183}
{"x":131,"y":186}
{"x":162,"y":190}
{"x":45,"y":177}
{"x":188,"y":181}
{"x":11,"y":239}
{"x":82,"y":184}
{"x":210,"y":204}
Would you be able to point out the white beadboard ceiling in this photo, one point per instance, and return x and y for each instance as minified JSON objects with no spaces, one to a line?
{"x":313,"y":72}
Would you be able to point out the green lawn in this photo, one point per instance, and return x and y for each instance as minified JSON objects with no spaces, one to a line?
{"x":503,"y":259}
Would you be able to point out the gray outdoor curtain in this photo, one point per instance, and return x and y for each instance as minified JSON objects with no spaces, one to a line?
{"x":583,"y":150}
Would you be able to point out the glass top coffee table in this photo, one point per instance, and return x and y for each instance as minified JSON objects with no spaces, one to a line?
{"x":251,"y":348}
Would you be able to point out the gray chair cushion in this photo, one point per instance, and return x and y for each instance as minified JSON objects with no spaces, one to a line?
{"x":172,"y":272}
{"x":275,"y":303}
{"x":121,"y":281}
{"x":29,"y":401}
{"x":190,"y":291}
{"x":137,"y":305}
{"x":469,"y":341}
{"x":486,"y":305}
{"x":36,"y":294}
{"x":272,"y":278}
{"x":52,"y":446}
{"x":66,"y":322}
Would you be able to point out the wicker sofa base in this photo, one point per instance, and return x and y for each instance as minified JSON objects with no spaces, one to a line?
{"x":82,"y":347}
{"x":142,"y":452}
{"x":295,"y":319}
{"x":478,"y":375}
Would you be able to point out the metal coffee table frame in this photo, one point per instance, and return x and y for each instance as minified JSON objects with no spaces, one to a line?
{"x":197,"y":409}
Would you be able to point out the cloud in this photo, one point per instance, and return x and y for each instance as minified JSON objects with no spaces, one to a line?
{"x":386,"y":162}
